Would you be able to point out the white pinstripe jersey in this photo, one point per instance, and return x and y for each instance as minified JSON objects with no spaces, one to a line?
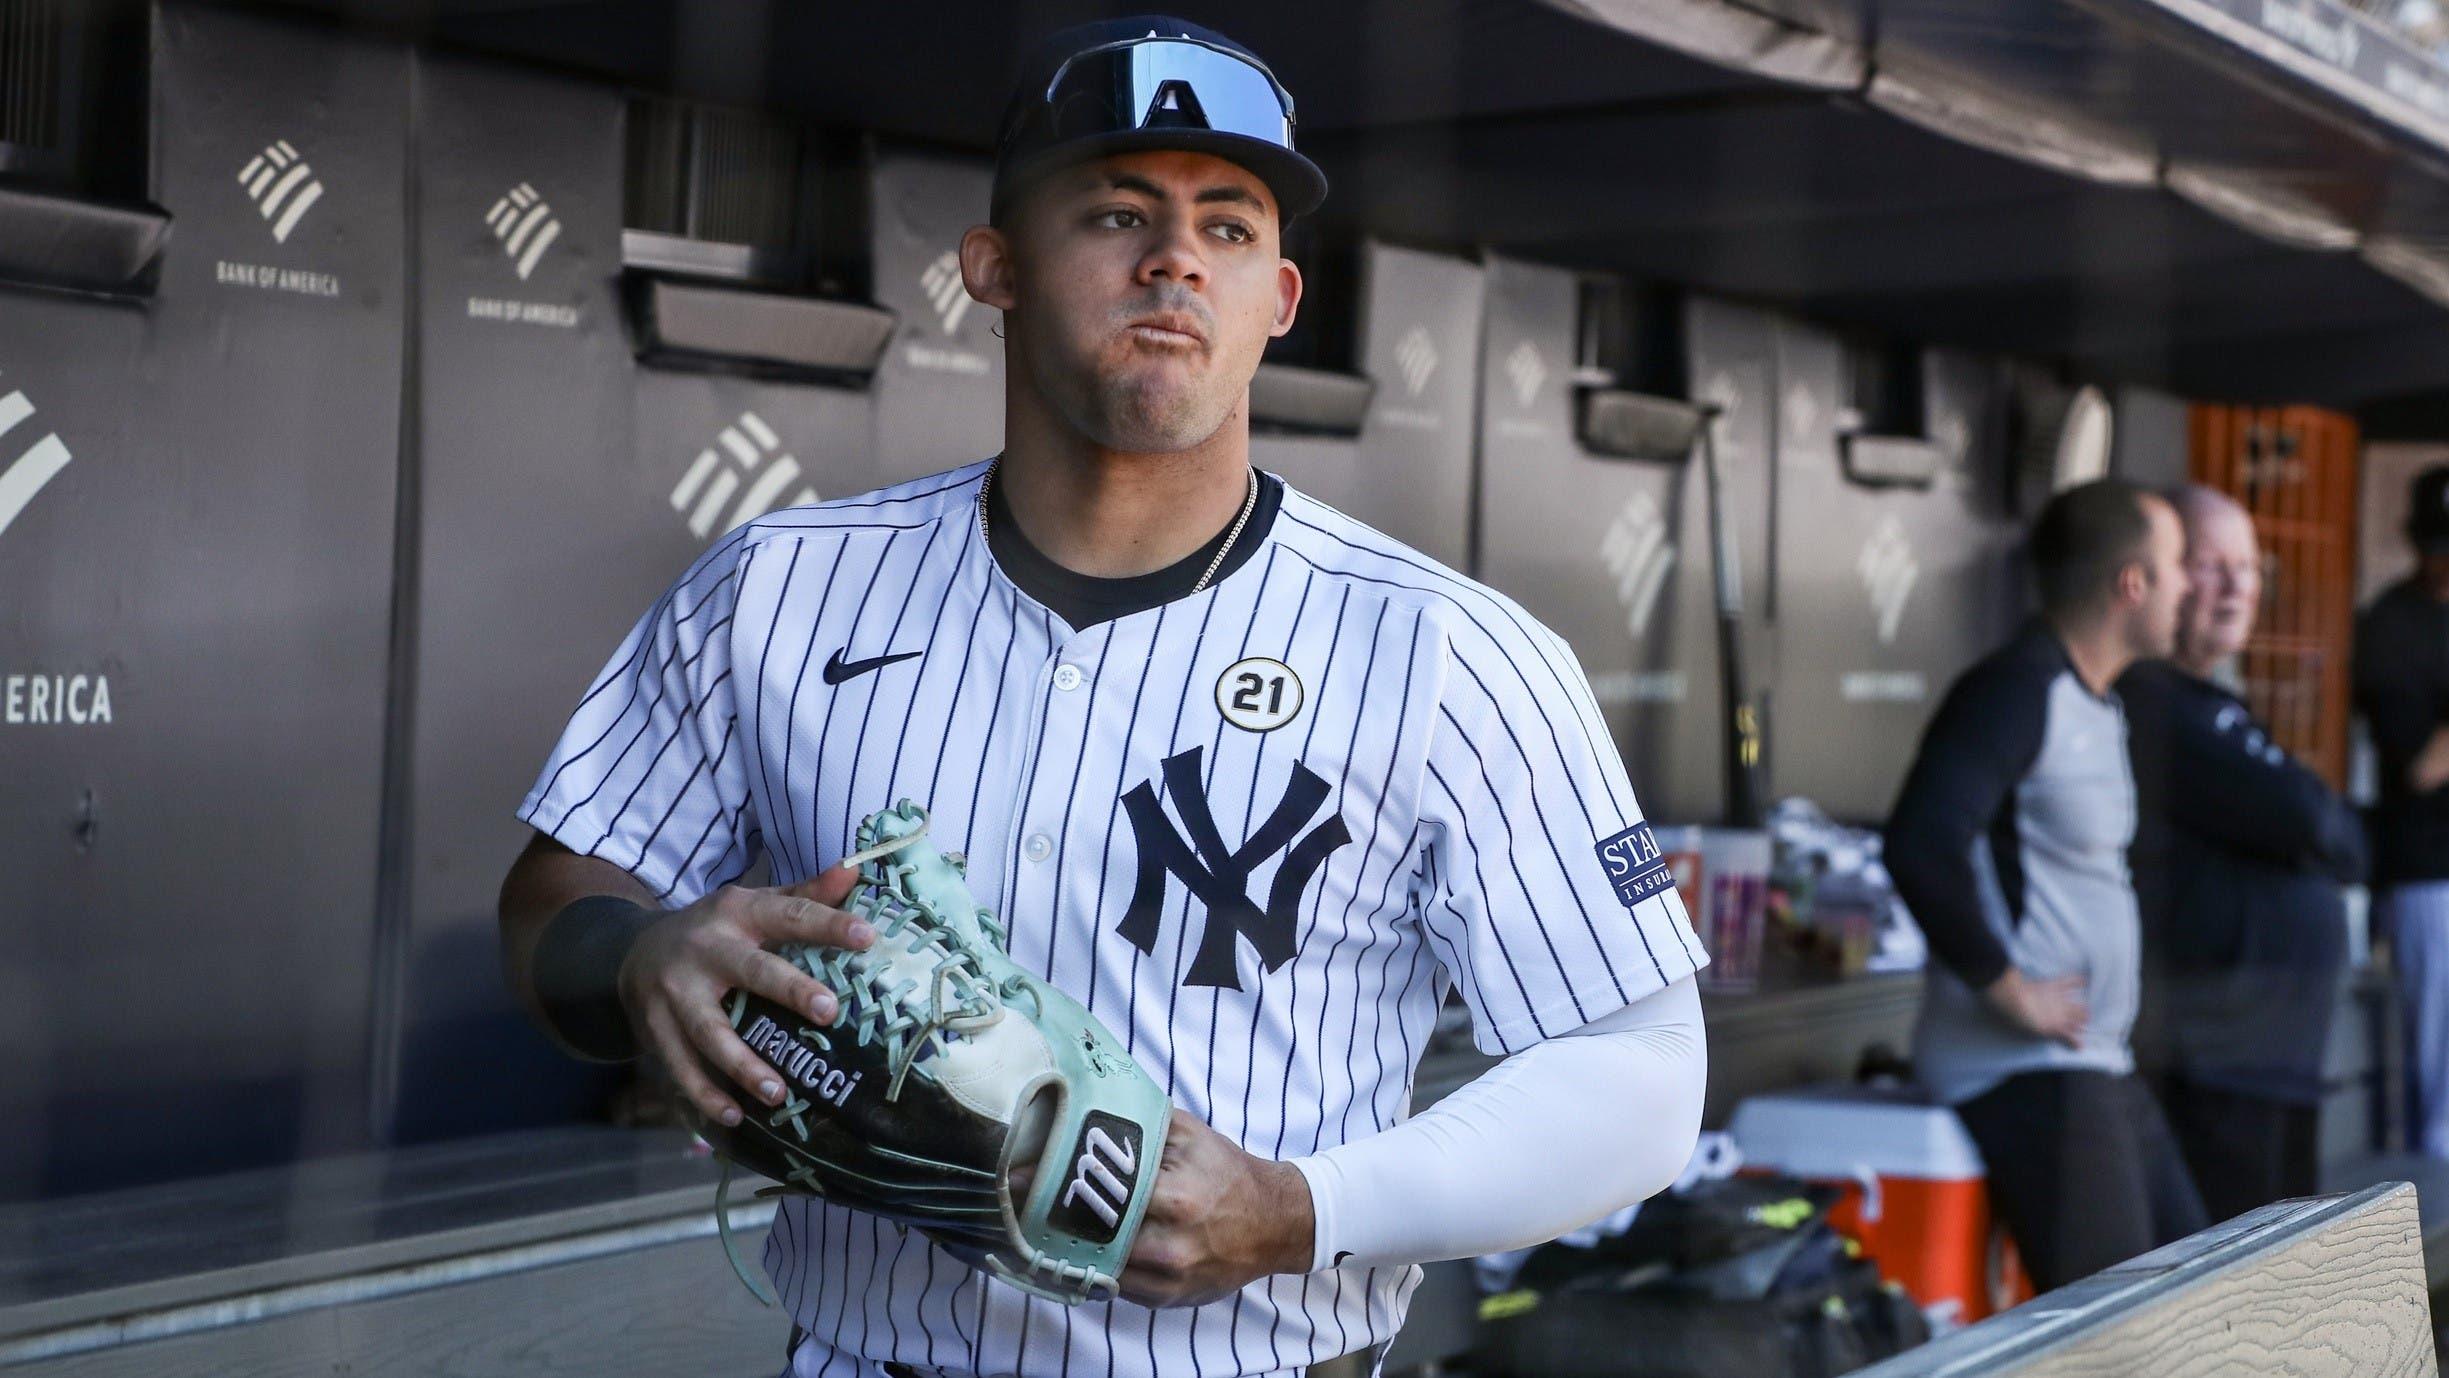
{"x":1268,"y":915}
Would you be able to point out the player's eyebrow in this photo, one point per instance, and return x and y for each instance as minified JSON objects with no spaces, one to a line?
{"x":1132,"y":181}
{"x":1221,"y":192}
{"x":1237,"y":195}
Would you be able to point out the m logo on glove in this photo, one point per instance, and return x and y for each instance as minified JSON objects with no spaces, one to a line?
{"x":1103,"y":1173}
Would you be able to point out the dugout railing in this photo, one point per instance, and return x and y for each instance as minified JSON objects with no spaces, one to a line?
{"x":2323,"y":1287}
{"x":591,"y":1251}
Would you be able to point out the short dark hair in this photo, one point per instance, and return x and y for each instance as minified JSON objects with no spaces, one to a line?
{"x":2082,"y":539}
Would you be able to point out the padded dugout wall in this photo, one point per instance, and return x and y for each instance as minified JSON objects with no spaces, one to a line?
{"x":938,"y":394}
{"x":185,"y":936}
{"x":1884,"y":595}
{"x":534,"y":550}
{"x":1611,"y":553}
{"x":1409,"y":472}
{"x":562,"y":487}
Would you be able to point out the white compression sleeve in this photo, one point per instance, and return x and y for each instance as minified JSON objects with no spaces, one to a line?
{"x":1558,"y":1135}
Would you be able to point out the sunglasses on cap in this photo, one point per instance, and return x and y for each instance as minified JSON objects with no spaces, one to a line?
{"x":1164,"y":83}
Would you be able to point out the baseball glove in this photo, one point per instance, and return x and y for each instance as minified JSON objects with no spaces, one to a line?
{"x":949,"y":1078}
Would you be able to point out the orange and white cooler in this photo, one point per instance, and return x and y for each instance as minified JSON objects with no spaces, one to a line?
{"x":1916,"y":1197}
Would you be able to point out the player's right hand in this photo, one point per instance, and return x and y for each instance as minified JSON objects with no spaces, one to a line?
{"x":2051,"y":1009}
{"x":676,"y":976}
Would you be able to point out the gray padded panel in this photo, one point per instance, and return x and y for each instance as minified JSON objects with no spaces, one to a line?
{"x":939,"y":394}
{"x":217,"y":548}
{"x":543,"y":536}
{"x":1409,"y":472}
{"x":1884,"y":594}
{"x":1613,"y":554}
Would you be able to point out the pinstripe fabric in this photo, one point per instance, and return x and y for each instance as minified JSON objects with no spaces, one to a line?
{"x":1458,"y":774}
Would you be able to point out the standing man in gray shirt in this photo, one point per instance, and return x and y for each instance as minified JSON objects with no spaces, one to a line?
{"x":2008,"y":843}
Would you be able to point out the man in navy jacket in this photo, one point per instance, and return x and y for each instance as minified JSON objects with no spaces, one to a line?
{"x":2238,"y":859}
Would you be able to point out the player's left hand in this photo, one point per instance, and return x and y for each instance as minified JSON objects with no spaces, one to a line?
{"x":1220,"y":1219}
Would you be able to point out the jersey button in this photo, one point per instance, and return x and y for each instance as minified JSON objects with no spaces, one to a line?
{"x":1067,"y":677}
{"x":1038,"y":847}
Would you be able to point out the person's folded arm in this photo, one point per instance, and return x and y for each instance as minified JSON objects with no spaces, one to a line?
{"x":2231,"y":785}
{"x":1567,"y":1131}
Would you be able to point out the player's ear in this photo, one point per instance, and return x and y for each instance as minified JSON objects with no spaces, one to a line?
{"x":986,"y":267}
{"x":2133,"y":583}
{"x":1288,"y":296}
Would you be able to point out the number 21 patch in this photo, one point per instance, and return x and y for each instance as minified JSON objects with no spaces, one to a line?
{"x":1258,"y":694}
{"x":1634,"y":866}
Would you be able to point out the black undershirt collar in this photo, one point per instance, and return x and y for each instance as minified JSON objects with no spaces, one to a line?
{"x":1084,"y":600}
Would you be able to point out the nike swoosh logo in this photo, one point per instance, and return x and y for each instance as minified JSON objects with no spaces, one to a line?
{"x":838,"y":669}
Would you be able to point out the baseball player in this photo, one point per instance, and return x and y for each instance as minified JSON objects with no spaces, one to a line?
{"x":1255,"y":783}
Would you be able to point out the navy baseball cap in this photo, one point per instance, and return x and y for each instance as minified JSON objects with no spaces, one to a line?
{"x":2427,"y":511}
{"x":1150,"y":81}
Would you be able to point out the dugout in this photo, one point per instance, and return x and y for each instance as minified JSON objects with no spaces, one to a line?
{"x":336,"y":483}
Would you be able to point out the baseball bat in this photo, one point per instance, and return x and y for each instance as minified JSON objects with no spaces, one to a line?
{"x":1744,"y":805}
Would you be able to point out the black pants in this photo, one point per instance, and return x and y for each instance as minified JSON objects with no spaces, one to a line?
{"x":2082,"y":1169}
{"x":2244,"y":1151}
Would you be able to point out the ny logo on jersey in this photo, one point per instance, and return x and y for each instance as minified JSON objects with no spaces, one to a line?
{"x":1220,"y":879}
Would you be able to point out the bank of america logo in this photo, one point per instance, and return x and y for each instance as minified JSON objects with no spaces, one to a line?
{"x":282,"y":186}
{"x":1888,"y":572}
{"x":945,"y":294}
{"x":1802,"y":412}
{"x":756,"y":473}
{"x":1639,"y":557}
{"x":1526,"y":371}
{"x":24,"y":472}
{"x":1954,"y":434}
{"x":1721,"y":392}
{"x":1416,"y":358}
{"x":524,"y":222}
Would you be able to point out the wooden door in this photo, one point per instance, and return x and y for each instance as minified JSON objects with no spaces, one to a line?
{"x":2294,"y":469}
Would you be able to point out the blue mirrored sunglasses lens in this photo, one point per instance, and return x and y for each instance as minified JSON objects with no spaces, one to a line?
{"x":1167,"y":84}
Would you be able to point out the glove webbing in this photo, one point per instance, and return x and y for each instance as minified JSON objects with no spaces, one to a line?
{"x":877,"y":1012}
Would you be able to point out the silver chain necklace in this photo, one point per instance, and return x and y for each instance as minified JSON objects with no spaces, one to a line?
{"x":1250,"y":502}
